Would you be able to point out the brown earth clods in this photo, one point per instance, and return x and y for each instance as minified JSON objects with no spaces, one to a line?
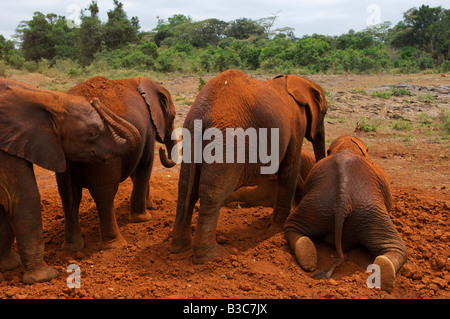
{"x":257,"y":264}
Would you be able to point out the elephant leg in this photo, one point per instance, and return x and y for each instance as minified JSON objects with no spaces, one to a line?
{"x":307,"y":221}
{"x":382,"y":239}
{"x":8,"y":258}
{"x":26,"y":221}
{"x":71,"y":194}
{"x":140,"y":193}
{"x":187,"y":198}
{"x":287,"y":178}
{"x":213,"y":195}
{"x":148,"y":198}
{"x":262,"y":194}
{"x":109,"y":230}
{"x":304,"y":250}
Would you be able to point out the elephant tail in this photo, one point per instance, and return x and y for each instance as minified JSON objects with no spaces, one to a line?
{"x":192,"y":171}
{"x":338,"y":225}
{"x":342,"y":209}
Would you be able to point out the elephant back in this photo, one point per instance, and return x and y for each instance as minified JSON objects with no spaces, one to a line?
{"x":116,"y":95}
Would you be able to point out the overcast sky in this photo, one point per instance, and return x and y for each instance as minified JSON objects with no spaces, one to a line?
{"x":328,"y":17}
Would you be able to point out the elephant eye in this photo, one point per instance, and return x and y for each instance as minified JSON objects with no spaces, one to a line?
{"x":94,"y":132}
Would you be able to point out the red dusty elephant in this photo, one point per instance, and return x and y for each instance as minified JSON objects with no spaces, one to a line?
{"x":283,"y":110}
{"x":264,"y":194}
{"x":149,"y":107}
{"x":49,"y":129}
{"x":347,"y":200}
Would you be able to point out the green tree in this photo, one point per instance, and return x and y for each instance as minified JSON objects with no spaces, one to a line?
{"x":34,"y":38}
{"x":311,"y":52}
{"x":90,"y":34}
{"x":425,"y":28}
{"x":244,"y":28}
{"x":46,"y":36}
{"x":201,"y":33}
{"x":166,"y":29}
{"x":118,"y":30}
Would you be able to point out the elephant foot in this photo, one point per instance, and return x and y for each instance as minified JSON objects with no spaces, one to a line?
{"x":45,"y":273}
{"x":117,"y":243}
{"x":149,"y":204}
{"x":139,"y":218}
{"x":10,"y":261}
{"x":306,"y":254}
{"x":179,"y":246}
{"x":387,"y":273}
{"x":76,"y":245}
{"x":203,"y":255}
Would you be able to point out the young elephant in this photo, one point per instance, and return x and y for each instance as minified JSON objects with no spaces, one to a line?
{"x":264,"y":194}
{"x":149,"y":107}
{"x":233,"y":104}
{"x":48,"y":129}
{"x":347,"y":200}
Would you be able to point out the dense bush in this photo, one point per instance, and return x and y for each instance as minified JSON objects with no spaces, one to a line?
{"x":420,"y":42}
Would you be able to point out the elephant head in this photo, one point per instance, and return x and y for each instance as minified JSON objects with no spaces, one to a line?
{"x":309,"y":95}
{"x":162,"y":112}
{"x":350,"y":143}
{"x":47,"y":127}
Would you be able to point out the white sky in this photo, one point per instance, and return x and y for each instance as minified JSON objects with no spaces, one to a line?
{"x":328,"y":17}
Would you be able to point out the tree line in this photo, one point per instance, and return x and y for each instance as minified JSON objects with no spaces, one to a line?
{"x":421,"y":41}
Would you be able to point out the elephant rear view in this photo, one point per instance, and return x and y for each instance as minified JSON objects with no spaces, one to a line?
{"x":246,"y":119}
{"x":347,"y":200}
{"x":149,"y":107}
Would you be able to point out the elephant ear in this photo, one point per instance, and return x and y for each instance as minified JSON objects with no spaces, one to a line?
{"x":27,"y":129}
{"x":157,"y":101}
{"x":363,"y":148}
{"x":311,"y":97}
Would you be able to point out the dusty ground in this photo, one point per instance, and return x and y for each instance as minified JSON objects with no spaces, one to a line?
{"x":257,"y":265}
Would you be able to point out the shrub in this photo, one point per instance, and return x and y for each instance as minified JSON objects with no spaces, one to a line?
{"x":445,"y":66}
{"x":365,"y":126}
{"x":401,"y":92}
{"x":402,"y":125}
{"x":444,"y":117}
{"x":385,"y":94}
{"x":3,"y":68}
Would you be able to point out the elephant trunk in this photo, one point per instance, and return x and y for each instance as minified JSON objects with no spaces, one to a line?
{"x":123,"y":132}
{"x":319,"y":144}
{"x":167,"y":161}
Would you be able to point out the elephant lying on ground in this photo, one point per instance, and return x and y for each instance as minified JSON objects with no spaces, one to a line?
{"x":264,"y":194}
{"x":287,"y":109}
{"x":347,"y":200}
{"x":49,"y":129}
{"x":149,"y":107}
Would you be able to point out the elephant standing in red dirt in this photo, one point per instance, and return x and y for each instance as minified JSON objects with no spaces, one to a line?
{"x":283,"y":111}
{"x":149,"y":107}
{"x":347,"y":200}
{"x":264,"y":194}
{"x":49,"y":129}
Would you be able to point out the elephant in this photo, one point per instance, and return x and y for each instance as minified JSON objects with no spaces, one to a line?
{"x":49,"y":129}
{"x":149,"y":107}
{"x":264,"y":194}
{"x":235,"y":104}
{"x":347,"y":200}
